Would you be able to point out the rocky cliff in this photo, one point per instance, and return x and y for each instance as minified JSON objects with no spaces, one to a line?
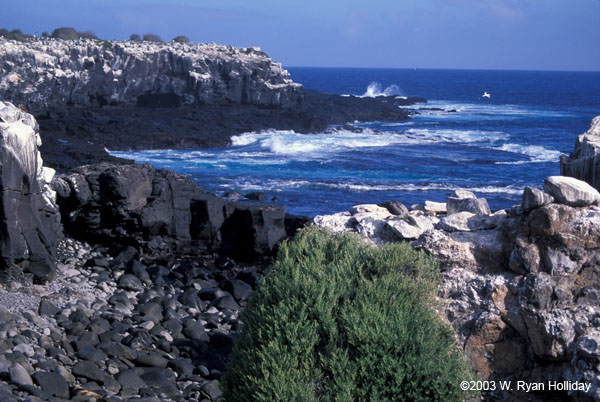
{"x":584,"y":161}
{"x":29,"y":219}
{"x":47,"y":72}
{"x":520,"y":286}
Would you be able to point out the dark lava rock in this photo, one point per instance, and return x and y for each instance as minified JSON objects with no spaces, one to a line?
{"x":130,"y":282}
{"x":183,"y":367}
{"x":195,"y":330}
{"x":239,"y":289}
{"x":256,"y":196}
{"x":140,"y":270}
{"x":212,"y":389}
{"x":152,"y":360}
{"x":130,"y":379}
{"x":227,"y":302}
{"x":89,"y":370}
{"x":52,"y":383}
{"x":158,"y":377}
{"x":19,"y":376}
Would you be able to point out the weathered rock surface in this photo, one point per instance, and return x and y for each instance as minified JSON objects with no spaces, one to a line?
{"x":29,"y":219}
{"x":520,"y":288}
{"x":584,"y":161}
{"x":139,"y":205}
{"x":534,"y":198}
{"x":47,"y":72}
{"x":571,"y":191}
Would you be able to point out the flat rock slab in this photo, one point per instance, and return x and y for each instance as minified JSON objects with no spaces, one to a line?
{"x":571,"y":191}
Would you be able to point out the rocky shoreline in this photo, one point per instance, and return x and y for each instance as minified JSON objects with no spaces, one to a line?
{"x":88,"y":96}
{"x":124,"y":282}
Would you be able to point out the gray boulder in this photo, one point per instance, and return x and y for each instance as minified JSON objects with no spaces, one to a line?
{"x":30,"y":225}
{"x":571,"y":191}
{"x":477,"y":206}
{"x":534,"y":198}
{"x":469,"y":222}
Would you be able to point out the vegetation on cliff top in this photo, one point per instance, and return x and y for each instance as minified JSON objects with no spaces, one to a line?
{"x":68,"y":33}
{"x":339,"y":320}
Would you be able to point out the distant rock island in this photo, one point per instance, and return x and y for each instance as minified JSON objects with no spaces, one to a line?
{"x":90,"y":94}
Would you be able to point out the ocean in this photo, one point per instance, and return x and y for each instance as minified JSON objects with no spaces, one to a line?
{"x":458,"y":140}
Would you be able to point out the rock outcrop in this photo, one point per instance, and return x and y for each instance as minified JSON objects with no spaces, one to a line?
{"x":161,"y":210}
{"x":520,"y":287}
{"x":29,"y":218}
{"x":584,"y":161}
{"x":46,"y":72}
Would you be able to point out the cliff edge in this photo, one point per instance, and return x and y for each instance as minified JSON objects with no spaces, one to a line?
{"x":46,"y":72}
{"x":584,"y":161}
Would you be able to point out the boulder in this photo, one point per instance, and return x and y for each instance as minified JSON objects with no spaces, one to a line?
{"x":571,"y":191}
{"x":368,"y":208}
{"x":139,"y":205}
{"x":463,"y":194}
{"x":477,"y":206}
{"x":469,"y":222}
{"x":252,"y":229}
{"x":395,"y":208}
{"x":338,"y":223}
{"x":30,"y":222}
{"x":534,"y":198}
{"x":436,"y":207}
{"x":411,"y":226}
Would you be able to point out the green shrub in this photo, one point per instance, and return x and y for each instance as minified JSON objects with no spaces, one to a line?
{"x":152,"y":38}
{"x":135,"y":37}
{"x":107,"y":44}
{"x":66,"y":33}
{"x":339,"y":320}
{"x":181,"y":39}
{"x":15,"y":34}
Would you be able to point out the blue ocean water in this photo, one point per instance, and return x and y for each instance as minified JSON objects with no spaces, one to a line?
{"x":493,"y":147}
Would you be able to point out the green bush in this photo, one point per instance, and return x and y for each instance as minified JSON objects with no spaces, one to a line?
{"x":151,"y":38}
{"x":66,"y":33}
{"x":15,"y":34}
{"x":181,"y":39}
{"x":135,"y":37}
{"x":107,"y":43}
{"x":339,"y":320}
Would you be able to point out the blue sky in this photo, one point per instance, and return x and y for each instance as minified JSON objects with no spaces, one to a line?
{"x":487,"y":34}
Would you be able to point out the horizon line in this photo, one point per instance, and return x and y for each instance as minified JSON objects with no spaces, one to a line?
{"x":447,"y":68}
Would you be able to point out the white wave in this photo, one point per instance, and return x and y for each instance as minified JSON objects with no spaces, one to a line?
{"x":281,"y":184}
{"x":537,"y":153}
{"x":375,"y":89}
{"x":289,"y":143}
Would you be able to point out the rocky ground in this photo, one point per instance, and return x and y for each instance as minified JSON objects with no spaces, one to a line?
{"x":120,"y":325}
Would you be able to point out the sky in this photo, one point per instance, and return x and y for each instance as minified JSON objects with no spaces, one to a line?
{"x":464,"y":34}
